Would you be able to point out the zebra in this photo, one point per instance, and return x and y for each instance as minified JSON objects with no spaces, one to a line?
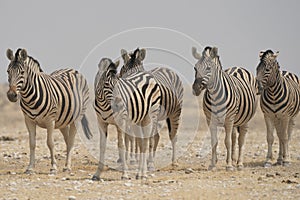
{"x":55,"y":101}
{"x":133,"y":103}
{"x":171,"y":88}
{"x":229,"y":101}
{"x":280,"y":100}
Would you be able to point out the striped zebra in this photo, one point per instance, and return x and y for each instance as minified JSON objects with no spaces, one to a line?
{"x":280,"y":100}
{"x":229,"y":101}
{"x":171,"y":97}
{"x":134,"y":105}
{"x":55,"y":101}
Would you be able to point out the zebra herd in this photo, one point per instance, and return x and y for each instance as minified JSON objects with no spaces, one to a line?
{"x":135,"y":100}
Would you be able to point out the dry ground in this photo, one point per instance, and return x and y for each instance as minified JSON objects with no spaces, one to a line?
{"x":190,"y":180}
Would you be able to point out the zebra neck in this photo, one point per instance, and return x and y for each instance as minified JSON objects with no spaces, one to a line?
{"x":277,"y":82}
{"x":216,"y":83}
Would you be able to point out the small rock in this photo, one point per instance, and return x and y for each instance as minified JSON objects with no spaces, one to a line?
{"x":72,"y":198}
{"x":128,"y":184}
{"x":189,"y":170}
{"x":260,"y":178}
{"x":270,"y":175}
{"x":277,"y":174}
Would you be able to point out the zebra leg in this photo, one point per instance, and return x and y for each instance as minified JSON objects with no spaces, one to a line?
{"x":133,"y":147}
{"x":228,"y":142}
{"x":233,"y":149}
{"x":31,"y":127}
{"x":270,"y":140}
{"x":120,"y":145}
{"x":282,"y":132}
{"x":127,"y":141}
{"x":156,"y":140}
{"x":70,"y":145}
{"x":242,"y":135}
{"x":290,"y":130}
{"x":65,"y":132}
{"x":103,"y":139}
{"x":142,"y":171}
{"x":214,"y":144}
{"x":173,"y":123}
{"x":151,"y":154}
{"x":50,"y":145}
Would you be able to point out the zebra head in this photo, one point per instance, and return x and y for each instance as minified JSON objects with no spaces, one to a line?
{"x":207,"y":63}
{"x":107,"y":72}
{"x":267,"y":69}
{"x":132,"y":61}
{"x":16,"y":73}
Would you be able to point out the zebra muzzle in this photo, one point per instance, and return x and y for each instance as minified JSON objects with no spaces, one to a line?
{"x":197,"y":86}
{"x":12,"y":94}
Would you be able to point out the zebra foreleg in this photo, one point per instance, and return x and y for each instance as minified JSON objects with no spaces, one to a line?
{"x":233,"y":148}
{"x":50,"y":144}
{"x":103,"y":139}
{"x":214,"y":144}
{"x":31,"y":127}
{"x":228,"y":142}
{"x":270,"y":140}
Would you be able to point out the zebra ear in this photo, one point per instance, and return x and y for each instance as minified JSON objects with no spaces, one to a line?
{"x":214,"y":52}
{"x":117,"y":63}
{"x":261,"y":53}
{"x":23,"y":54}
{"x":10,"y":54}
{"x":195,"y":53}
{"x":276,"y":54}
{"x":125,"y":55}
{"x":141,"y":54}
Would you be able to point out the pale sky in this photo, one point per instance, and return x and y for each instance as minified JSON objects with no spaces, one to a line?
{"x":62,"y":34}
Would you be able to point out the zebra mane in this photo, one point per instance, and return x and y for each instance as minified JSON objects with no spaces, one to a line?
{"x":266,"y":54}
{"x":35,"y":67}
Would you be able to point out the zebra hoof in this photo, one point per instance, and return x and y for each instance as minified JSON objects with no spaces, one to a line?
{"x":151,"y":167}
{"x":212,"y":168}
{"x":240,"y":167}
{"x":125,"y":177}
{"x":29,"y":171}
{"x":267,"y":165}
{"x":66,"y":169}
{"x":53,"y":171}
{"x":141,"y":177}
{"x":95,"y":178}
{"x":119,"y":160}
{"x":229,"y":168}
{"x":175,"y":164}
{"x":132,"y":162}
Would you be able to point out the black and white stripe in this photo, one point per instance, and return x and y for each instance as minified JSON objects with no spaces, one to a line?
{"x":132,"y":103}
{"x":171,"y":96}
{"x":280,"y":101}
{"x":229,"y":101}
{"x":55,"y":101}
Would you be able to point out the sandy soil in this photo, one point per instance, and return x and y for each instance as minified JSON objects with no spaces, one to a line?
{"x":189,"y":180}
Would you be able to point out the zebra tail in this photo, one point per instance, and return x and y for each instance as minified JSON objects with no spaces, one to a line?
{"x":86,"y":128}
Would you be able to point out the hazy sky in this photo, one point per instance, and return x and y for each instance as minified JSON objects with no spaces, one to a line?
{"x":63,"y":34}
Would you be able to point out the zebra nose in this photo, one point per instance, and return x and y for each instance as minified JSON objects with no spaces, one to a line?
{"x":12,"y":96}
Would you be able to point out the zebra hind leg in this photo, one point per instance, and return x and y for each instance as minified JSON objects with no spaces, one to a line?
{"x":241,"y":140}
{"x":173,"y":123}
{"x":233,"y":148}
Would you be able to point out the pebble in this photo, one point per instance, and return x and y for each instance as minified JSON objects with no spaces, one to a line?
{"x":128,"y":184}
{"x":72,"y":198}
{"x":270,"y":175}
{"x":189,"y":170}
